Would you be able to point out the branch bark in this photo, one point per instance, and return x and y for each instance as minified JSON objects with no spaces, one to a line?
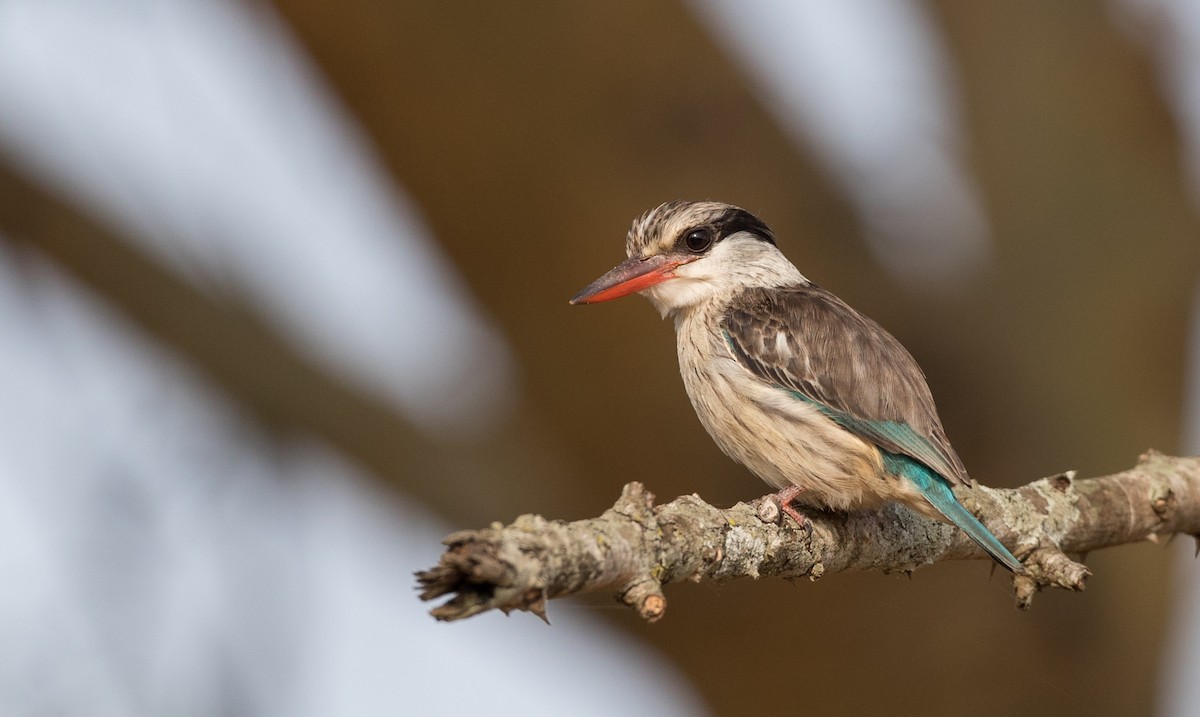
{"x":635,"y":547}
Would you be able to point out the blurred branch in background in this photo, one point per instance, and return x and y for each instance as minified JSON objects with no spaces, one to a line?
{"x":871,"y":90}
{"x":248,"y":358}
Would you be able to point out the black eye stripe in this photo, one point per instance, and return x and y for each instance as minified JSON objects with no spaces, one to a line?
{"x":699,"y":239}
{"x":739,"y":220}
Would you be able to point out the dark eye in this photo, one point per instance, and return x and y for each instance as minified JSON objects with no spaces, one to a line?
{"x":697,"y":240}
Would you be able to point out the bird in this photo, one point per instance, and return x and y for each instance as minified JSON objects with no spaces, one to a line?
{"x":813,"y":397}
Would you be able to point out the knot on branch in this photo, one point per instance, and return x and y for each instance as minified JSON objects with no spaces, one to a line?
{"x":646,"y":596}
{"x":643,"y":591}
{"x":637,"y":504}
{"x":1048,"y":565}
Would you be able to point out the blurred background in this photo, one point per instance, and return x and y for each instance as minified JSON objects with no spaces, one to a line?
{"x":283,"y":301}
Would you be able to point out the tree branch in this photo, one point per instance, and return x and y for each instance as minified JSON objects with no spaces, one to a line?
{"x":635,"y":547}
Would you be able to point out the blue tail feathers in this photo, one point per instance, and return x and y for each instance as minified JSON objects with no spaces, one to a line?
{"x":937,"y":491}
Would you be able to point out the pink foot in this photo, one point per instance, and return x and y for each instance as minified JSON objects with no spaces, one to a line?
{"x":784,"y":498}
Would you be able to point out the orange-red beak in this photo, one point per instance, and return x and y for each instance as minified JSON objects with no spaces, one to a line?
{"x":631,"y":276}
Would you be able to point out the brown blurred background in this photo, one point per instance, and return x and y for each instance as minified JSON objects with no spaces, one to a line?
{"x":528,"y":136}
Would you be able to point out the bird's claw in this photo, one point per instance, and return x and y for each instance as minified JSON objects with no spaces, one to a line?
{"x":802,"y":521}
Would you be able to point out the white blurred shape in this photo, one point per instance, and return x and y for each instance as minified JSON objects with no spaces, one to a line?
{"x":198,"y":126}
{"x":507,"y":666}
{"x":1170,"y":31}
{"x":1181,"y":663}
{"x":865,"y":83}
{"x":158,"y":557}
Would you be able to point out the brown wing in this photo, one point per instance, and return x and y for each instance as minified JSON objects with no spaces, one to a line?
{"x":809,"y":342}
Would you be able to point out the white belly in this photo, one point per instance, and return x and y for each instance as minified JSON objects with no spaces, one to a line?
{"x":782,"y":439}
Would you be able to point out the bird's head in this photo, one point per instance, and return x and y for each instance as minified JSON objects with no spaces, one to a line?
{"x":685,"y":253}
